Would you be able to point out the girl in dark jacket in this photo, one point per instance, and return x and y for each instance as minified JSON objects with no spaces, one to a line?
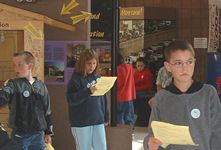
{"x":88,"y":114}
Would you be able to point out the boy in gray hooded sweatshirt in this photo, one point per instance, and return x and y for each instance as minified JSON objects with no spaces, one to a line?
{"x":187,"y":102}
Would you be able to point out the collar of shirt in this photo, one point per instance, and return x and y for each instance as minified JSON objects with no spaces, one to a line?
{"x":196,"y":86}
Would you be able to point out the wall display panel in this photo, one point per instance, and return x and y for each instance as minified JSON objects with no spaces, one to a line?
{"x":102,"y":32}
{"x":131,"y":32}
{"x":103,"y":49}
{"x":131,"y":36}
{"x":60,"y":60}
{"x":143,"y":33}
{"x":214,"y":63}
{"x":61,"y":57}
{"x":213,"y":44}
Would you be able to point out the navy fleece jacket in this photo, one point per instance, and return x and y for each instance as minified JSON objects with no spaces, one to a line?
{"x":84,"y":109}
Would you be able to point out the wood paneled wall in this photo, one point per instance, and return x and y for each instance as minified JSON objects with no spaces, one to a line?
{"x":192,"y":21}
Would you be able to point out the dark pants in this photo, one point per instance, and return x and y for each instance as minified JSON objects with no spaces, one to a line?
{"x":5,"y":142}
{"x":142,"y":109}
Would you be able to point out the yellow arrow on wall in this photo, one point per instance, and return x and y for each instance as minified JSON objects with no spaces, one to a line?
{"x":36,"y":34}
{"x":66,"y":9}
{"x":85,"y":16}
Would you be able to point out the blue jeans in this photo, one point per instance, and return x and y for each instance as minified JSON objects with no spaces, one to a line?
{"x":90,"y":137}
{"x":34,"y":141}
{"x":125,"y":112}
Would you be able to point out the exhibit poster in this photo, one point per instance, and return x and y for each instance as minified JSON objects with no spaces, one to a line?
{"x":60,"y":59}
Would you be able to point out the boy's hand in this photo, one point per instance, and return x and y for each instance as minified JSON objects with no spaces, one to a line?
{"x":93,"y":89}
{"x":6,"y":82}
{"x":48,"y":139}
{"x":154,"y":143}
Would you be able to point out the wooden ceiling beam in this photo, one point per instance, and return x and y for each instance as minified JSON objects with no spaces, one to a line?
{"x":36,"y":16}
{"x":58,"y":24}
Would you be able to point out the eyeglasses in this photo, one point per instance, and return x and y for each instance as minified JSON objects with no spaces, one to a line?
{"x":180,"y":64}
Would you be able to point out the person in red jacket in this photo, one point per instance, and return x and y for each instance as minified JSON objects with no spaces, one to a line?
{"x":143,"y":83}
{"x":126,"y":92}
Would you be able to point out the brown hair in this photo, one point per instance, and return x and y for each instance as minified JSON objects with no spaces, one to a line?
{"x":176,"y":46}
{"x":140,"y":59}
{"x":84,"y":57}
{"x":28,"y":57}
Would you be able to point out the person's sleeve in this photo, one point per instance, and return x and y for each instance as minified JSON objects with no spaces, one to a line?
{"x":77,"y":95}
{"x":106,"y":111}
{"x":148,"y":80}
{"x":215,"y":108}
{"x":145,"y":142}
{"x":153,"y":117}
{"x":49,"y":130}
{"x":6,"y":92}
{"x":120,"y":78}
{"x":4,"y":97}
{"x":158,"y":80}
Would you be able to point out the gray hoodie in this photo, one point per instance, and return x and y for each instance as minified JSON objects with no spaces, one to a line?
{"x":199,"y":108}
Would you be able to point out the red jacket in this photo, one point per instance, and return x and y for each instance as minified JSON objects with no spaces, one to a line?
{"x":143,"y":80}
{"x":125,"y":83}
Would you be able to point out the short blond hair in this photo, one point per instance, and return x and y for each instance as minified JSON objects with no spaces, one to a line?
{"x":28,"y":57}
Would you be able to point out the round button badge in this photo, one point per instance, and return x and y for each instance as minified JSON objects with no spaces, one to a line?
{"x":195,"y":113}
{"x":26,"y":94}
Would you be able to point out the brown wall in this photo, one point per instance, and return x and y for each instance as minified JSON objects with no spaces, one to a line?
{"x":62,"y":140}
{"x":193,"y":21}
{"x":192,"y":18}
{"x":52,"y":9}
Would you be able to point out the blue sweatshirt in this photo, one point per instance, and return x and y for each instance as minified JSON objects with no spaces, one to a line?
{"x":84,"y":109}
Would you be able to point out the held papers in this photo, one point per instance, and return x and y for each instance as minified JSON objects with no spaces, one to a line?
{"x":171,"y":134}
{"x":104,"y":84}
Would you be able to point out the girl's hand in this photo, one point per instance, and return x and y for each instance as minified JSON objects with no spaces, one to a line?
{"x":154,"y":143}
{"x":93,"y":89}
{"x":107,"y":123}
{"x":48,"y":139}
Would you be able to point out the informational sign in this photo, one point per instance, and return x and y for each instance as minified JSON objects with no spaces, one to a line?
{"x":60,"y":60}
{"x":132,"y":13}
{"x":200,"y":42}
{"x":131,"y":32}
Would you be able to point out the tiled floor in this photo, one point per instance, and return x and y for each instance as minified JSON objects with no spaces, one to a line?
{"x":139,"y":134}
